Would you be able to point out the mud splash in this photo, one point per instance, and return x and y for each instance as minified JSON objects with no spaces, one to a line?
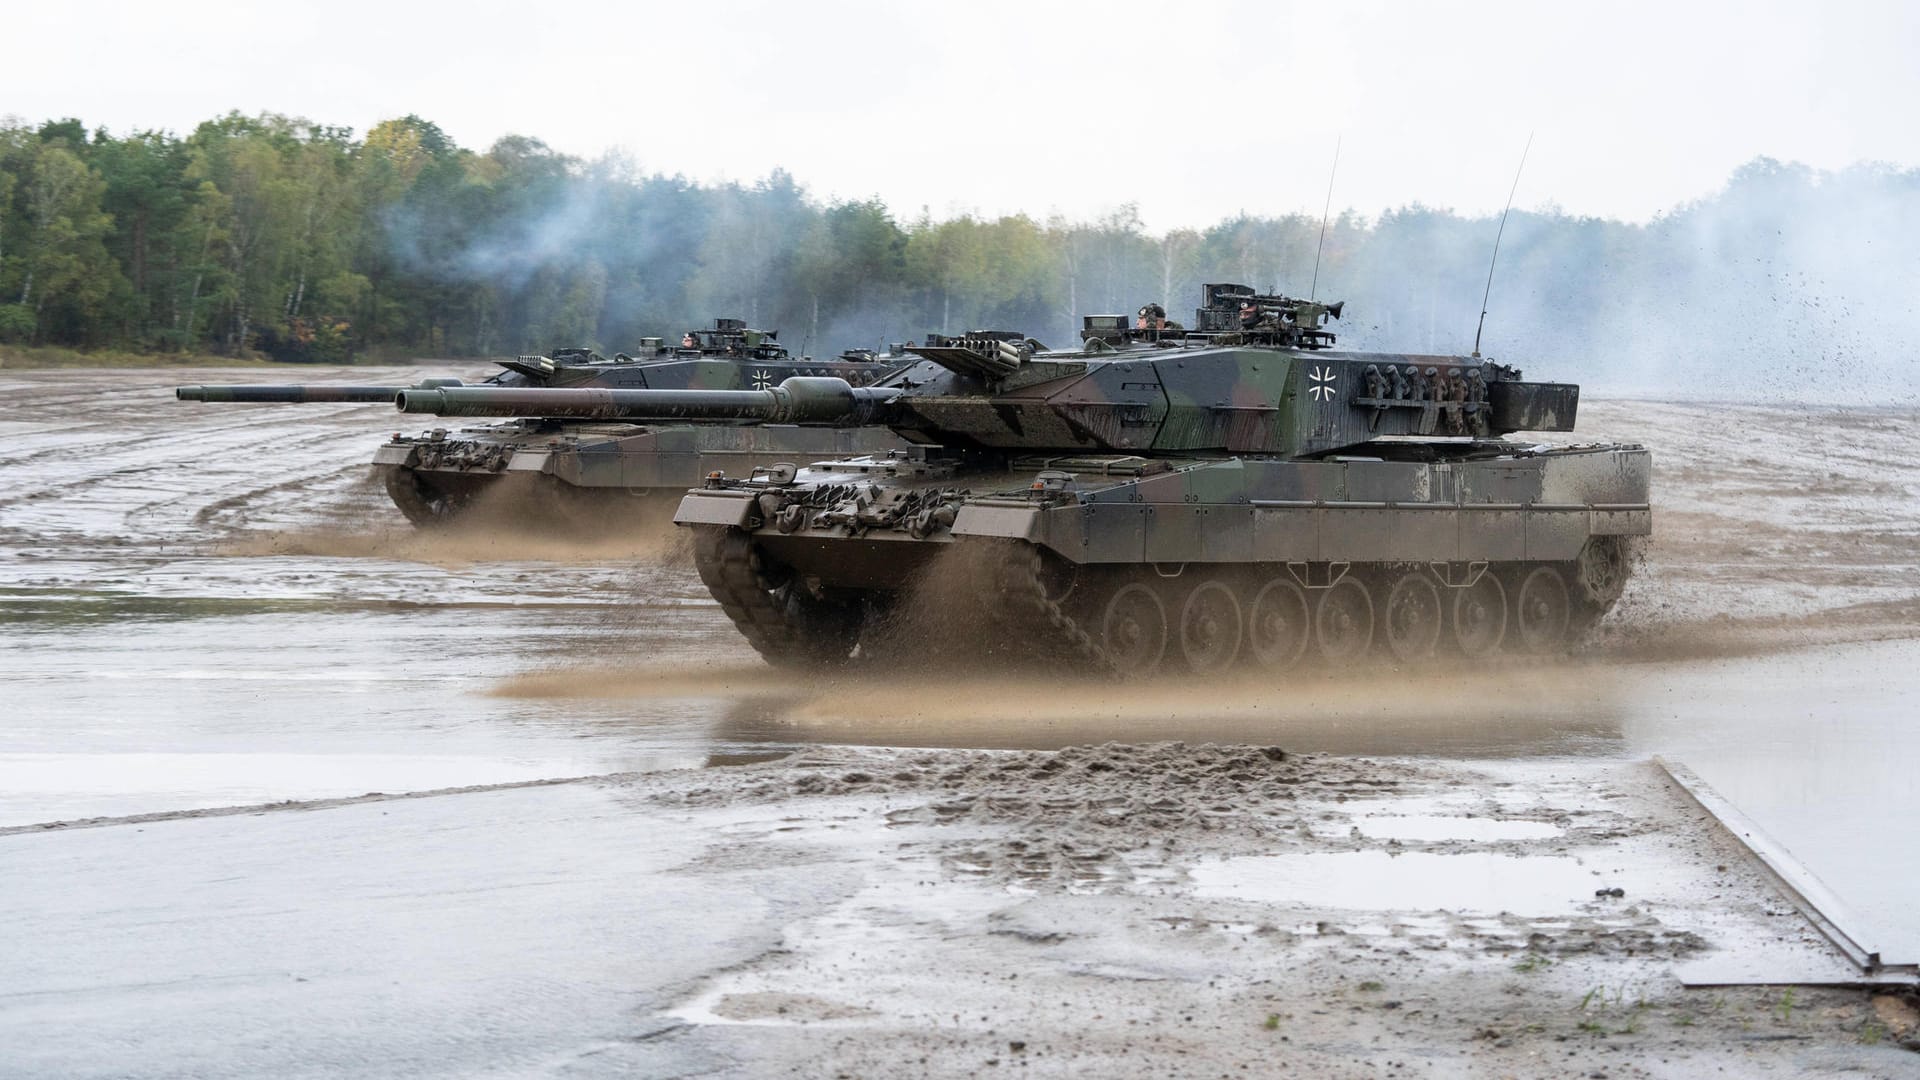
{"x":695,"y":680}
{"x":461,"y":546}
{"x":1384,"y":711}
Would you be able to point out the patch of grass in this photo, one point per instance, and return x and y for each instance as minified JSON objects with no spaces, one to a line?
{"x":1273,"y":1022}
{"x":1588,"y":1000}
{"x":1786,"y":1006}
{"x":1592,"y":1027}
{"x":1371,"y":985}
{"x":1872,"y":1032}
{"x":1532,"y":962}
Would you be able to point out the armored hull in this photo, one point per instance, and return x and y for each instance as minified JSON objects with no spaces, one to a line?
{"x":1201,"y":565}
{"x":592,"y":475}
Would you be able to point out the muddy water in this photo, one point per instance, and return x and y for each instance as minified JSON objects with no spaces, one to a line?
{"x":210,"y":605}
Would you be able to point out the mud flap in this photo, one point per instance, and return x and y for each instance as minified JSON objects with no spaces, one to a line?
{"x":735,"y":508}
{"x":1006,"y":522}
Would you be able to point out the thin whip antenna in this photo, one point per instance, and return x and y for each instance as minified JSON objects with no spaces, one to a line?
{"x":1491,"y":263}
{"x":1314,"y":288}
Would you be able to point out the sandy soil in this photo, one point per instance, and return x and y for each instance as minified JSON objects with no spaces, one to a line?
{"x":1200,"y":910}
{"x":1409,"y":906}
{"x":1774,"y":527}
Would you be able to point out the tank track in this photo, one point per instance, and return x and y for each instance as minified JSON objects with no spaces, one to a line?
{"x":1027,"y":621}
{"x":782,"y":624}
{"x":425,"y":512}
{"x":1020,"y":622}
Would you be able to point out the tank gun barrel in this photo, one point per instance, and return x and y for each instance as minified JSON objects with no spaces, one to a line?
{"x":798,"y":400}
{"x":299,"y":393}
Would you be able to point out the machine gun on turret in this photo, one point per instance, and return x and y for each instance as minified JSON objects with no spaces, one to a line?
{"x":735,"y":339}
{"x":1264,"y":319}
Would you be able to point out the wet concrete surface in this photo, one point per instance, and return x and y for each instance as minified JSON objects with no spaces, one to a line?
{"x":205,"y":606}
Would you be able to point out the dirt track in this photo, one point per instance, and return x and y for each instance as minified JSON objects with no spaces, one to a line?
{"x":207,"y":607}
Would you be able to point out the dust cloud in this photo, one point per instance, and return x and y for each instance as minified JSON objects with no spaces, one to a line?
{"x":521,"y":523}
{"x":1776,"y":530}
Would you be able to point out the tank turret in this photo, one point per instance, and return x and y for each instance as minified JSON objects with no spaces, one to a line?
{"x":1253,"y":391}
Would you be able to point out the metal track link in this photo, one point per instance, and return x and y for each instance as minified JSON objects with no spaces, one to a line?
{"x":1016,"y":605}
{"x":734,"y":573}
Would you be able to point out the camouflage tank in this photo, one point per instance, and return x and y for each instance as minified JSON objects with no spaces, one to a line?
{"x":1234,"y":494}
{"x":581,"y":474}
{"x":602,"y":472}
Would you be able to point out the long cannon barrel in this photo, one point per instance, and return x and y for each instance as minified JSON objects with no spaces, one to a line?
{"x":300,"y":393}
{"x":802,"y":399}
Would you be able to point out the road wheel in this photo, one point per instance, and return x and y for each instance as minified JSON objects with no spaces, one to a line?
{"x":1210,"y":627}
{"x":1133,"y":629}
{"x":1412,"y":618}
{"x":1542,"y":609}
{"x":1343,"y":620}
{"x":1279,"y":625}
{"x":1480,"y":616}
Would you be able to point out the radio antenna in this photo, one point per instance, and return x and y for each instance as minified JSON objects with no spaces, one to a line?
{"x":1314,"y":288}
{"x":1491,"y":263}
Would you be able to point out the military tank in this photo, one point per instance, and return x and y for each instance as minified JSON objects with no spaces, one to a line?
{"x":1235,"y":494}
{"x":594,"y":473}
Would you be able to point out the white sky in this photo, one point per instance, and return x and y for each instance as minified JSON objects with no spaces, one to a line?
{"x":1193,"y":111}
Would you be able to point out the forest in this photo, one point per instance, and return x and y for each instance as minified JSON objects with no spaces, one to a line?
{"x":277,"y":236}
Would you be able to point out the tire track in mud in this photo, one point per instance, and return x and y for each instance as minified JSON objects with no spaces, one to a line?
{"x":144,"y":436}
{"x":179,"y":457}
{"x":207,"y":514}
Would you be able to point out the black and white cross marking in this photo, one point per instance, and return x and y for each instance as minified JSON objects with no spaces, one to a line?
{"x":1322,"y":388}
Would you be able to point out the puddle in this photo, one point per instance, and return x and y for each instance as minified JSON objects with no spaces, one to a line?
{"x":1415,"y":881}
{"x":1441,"y":827}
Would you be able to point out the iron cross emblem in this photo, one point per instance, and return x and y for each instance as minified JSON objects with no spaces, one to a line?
{"x":762,"y":379}
{"x":1322,"y":388}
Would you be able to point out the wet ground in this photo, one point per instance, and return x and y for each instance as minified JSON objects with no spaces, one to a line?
{"x":205,"y":606}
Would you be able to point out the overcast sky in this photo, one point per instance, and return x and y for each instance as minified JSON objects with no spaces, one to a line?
{"x":1192,"y":111}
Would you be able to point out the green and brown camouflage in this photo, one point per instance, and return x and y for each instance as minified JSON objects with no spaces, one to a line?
{"x":1236,"y":493}
{"x":586,"y":471}
{"x":573,"y":474}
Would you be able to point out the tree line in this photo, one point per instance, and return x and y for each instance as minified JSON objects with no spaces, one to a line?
{"x":277,"y":235}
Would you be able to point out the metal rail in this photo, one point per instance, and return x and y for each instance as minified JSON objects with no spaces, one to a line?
{"x":1825,"y":910}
